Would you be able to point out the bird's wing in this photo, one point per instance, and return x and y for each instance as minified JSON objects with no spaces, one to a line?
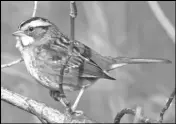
{"x":54,"y":58}
{"x":109,"y":63}
{"x":103,"y":62}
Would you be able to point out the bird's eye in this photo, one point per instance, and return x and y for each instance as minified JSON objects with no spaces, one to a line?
{"x":31,"y":29}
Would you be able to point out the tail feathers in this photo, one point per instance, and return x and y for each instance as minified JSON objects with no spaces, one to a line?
{"x":106,"y":76}
{"x":120,"y":61}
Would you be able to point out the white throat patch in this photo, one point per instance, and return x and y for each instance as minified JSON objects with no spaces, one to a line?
{"x":26,"y":40}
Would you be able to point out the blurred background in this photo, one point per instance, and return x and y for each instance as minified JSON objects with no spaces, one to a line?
{"x":111,"y":28}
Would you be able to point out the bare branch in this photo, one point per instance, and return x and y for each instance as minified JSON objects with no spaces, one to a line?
{"x":42,"y":120}
{"x":164,"y":21}
{"x":35,"y":8}
{"x":122,"y":113}
{"x":20,"y":59}
{"x":12,"y":63}
{"x":168,"y":103}
{"x":40,"y":110}
{"x":131,"y":112}
{"x":73,"y":14}
{"x":139,"y":117}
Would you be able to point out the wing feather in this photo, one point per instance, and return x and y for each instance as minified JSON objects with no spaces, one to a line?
{"x":54,"y":56}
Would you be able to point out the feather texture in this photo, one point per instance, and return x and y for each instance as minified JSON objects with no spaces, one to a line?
{"x":46,"y":55}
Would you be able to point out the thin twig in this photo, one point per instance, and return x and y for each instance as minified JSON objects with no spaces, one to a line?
{"x":20,"y":59}
{"x":63,"y":100}
{"x":122,"y":113}
{"x":166,"y":24}
{"x":12,"y":63}
{"x":73,"y":13}
{"x":168,"y":103}
{"x":164,"y":21}
{"x":131,"y":112}
{"x":35,"y":8}
{"x":45,"y":113}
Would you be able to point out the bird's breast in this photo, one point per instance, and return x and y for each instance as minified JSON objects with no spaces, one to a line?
{"x":48,"y":81}
{"x":30,"y":62}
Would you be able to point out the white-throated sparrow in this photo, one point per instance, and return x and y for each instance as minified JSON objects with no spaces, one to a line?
{"x":44,"y":50}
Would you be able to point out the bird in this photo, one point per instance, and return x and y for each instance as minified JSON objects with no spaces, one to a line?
{"x":45,"y":49}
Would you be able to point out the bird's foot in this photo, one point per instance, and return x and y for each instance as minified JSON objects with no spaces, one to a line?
{"x":74,"y":112}
{"x":78,"y":113}
{"x":56,"y":95}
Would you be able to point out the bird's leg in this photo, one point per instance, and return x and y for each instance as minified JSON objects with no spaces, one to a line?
{"x":74,"y":106}
{"x":56,"y":95}
{"x":71,"y":110}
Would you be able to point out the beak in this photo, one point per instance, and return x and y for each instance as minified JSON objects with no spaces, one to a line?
{"x":18,"y":33}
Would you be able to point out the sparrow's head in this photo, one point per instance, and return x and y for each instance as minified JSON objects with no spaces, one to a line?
{"x":34,"y":30}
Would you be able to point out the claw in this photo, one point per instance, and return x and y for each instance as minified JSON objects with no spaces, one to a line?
{"x":78,"y":113}
{"x":75,"y":113}
{"x":65,"y":102}
{"x":56,"y":95}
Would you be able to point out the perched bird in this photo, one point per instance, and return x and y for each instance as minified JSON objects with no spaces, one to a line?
{"x":44,"y":49}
